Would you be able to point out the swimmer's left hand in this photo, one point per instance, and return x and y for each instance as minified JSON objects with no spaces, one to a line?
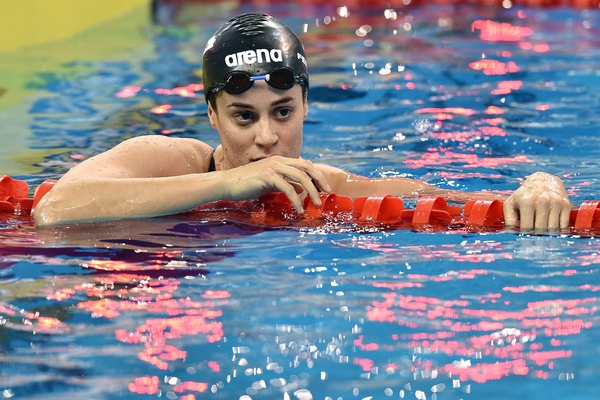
{"x":540,"y":203}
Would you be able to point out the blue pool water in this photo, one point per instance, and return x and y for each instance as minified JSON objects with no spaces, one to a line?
{"x":181,"y":308}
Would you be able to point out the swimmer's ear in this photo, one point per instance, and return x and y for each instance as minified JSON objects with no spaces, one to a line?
{"x":212,"y":116}
{"x":305,"y":104}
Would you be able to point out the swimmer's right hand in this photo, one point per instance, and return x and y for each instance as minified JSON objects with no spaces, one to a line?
{"x":292,"y":176}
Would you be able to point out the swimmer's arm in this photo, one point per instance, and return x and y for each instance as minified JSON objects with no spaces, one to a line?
{"x":142,"y":177}
{"x":104,"y":199}
{"x":345,"y":183}
{"x":541,"y":202}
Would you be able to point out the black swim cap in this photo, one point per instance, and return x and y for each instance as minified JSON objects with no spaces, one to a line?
{"x":253,"y":43}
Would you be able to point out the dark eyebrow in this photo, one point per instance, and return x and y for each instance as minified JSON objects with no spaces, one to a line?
{"x":283,"y":100}
{"x":240,"y":105}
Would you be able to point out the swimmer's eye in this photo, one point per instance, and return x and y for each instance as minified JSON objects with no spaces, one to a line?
{"x":244,"y":116}
{"x":283,"y":113}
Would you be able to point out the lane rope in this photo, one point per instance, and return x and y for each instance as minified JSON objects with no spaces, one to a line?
{"x":275,"y":209}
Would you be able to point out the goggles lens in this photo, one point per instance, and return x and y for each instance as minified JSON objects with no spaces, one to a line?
{"x":281,"y":78}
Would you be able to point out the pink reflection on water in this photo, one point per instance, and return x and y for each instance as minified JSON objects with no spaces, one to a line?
{"x":500,"y":31}
{"x":182,"y":91}
{"x":111,"y":296}
{"x":468,"y":175}
{"x":128,"y":91}
{"x":448,"y":157}
{"x":19,"y":319}
{"x":487,"y":343}
{"x":494,"y":67}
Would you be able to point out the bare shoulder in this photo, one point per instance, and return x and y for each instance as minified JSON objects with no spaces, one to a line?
{"x":149,"y":156}
{"x":152,"y":143}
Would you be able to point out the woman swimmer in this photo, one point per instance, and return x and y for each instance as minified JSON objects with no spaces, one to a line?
{"x":256,"y":82}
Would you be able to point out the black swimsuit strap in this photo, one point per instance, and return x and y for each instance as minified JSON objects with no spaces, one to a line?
{"x":212,"y":166}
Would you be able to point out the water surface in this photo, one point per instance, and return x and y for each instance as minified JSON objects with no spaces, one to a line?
{"x":180,"y":307}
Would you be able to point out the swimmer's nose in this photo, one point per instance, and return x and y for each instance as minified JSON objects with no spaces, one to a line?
{"x":266,"y":135}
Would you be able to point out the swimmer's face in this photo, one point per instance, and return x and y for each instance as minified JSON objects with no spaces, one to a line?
{"x":259,"y":123}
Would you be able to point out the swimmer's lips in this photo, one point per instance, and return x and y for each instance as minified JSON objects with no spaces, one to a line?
{"x":262,"y":157}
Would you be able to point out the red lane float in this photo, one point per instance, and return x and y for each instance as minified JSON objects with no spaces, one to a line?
{"x":431,"y":210}
{"x":275,"y":209}
{"x":485,"y":213}
{"x":383,"y":208}
{"x":587,"y":217}
{"x":430,"y":213}
{"x":13,"y":196}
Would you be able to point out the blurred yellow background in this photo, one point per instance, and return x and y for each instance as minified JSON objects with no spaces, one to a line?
{"x":32,"y":22}
{"x":43,"y":37}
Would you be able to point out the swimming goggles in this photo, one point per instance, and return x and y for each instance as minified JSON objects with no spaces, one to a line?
{"x":281,"y":78}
